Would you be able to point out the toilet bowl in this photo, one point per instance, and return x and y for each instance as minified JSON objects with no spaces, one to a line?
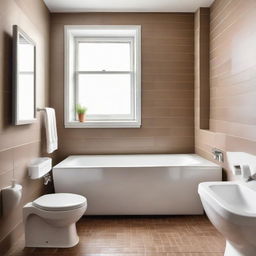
{"x":231,"y":207}
{"x":50,"y":220}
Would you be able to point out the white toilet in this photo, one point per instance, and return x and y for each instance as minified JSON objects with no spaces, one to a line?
{"x":50,"y":220}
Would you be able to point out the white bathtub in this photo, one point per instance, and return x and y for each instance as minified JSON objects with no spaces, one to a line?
{"x":136,"y":184}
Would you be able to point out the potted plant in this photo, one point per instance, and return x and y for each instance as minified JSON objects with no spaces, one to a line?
{"x":81,"y":111}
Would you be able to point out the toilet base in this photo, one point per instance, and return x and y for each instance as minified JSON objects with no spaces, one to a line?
{"x":39,"y":233}
{"x":231,"y":250}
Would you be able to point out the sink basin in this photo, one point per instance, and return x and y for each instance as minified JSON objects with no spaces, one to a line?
{"x":234,"y":197}
{"x":231,"y":207}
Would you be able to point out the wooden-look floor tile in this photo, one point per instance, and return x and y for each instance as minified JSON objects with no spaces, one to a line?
{"x":138,"y":236}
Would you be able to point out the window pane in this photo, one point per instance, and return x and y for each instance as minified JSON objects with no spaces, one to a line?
{"x":105,"y":94}
{"x":104,"y":56}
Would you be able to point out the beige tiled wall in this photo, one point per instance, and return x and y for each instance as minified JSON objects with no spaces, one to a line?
{"x":202,"y":87}
{"x":20,"y":144}
{"x":232,"y":80}
{"x":167,"y":86}
{"x":167,"y":89}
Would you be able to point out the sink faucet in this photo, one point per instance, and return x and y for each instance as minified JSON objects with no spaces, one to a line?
{"x":251,"y":177}
{"x":246,"y":173}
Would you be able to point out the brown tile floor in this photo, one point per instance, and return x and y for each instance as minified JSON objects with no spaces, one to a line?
{"x":137,"y":236}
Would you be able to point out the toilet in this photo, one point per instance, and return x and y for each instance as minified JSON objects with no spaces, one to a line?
{"x":50,"y":220}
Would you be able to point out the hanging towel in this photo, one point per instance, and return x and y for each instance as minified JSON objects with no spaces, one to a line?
{"x":51,"y":130}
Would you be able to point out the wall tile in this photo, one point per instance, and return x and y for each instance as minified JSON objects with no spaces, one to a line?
{"x":20,"y":144}
{"x":167,"y":86}
{"x":232,"y":80}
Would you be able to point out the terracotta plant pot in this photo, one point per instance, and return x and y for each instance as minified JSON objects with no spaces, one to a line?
{"x":81,"y":117}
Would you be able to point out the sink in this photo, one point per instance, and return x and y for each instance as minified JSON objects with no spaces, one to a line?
{"x":235,"y":197}
{"x":231,"y":207}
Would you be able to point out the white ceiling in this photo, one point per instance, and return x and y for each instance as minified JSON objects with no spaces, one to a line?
{"x":126,"y":5}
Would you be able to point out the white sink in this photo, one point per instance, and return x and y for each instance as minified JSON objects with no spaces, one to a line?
{"x":231,"y":207}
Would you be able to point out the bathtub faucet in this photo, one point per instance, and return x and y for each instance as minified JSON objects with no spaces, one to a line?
{"x":218,"y":155}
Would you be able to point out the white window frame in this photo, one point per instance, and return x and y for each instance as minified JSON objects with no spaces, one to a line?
{"x":73,"y":35}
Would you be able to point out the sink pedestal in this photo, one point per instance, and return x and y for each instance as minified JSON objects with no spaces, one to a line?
{"x":232,"y":251}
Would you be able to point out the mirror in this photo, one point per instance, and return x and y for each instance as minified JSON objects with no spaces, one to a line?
{"x":24,"y":77}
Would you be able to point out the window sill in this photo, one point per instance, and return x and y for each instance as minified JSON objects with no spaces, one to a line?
{"x":105,"y":124}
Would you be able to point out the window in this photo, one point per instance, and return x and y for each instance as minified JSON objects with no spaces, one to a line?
{"x":102,"y":73}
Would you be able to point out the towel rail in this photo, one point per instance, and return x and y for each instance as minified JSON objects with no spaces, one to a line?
{"x":40,"y":109}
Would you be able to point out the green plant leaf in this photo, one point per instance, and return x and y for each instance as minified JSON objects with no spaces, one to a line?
{"x":80,"y":109}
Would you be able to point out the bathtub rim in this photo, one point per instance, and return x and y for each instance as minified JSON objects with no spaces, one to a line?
{"x":202,"y":164}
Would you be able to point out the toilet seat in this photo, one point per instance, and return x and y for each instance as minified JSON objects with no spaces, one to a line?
{"x":60,"y":202}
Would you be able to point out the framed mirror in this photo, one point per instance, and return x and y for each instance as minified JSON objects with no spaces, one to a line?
{"x":24,"y":78}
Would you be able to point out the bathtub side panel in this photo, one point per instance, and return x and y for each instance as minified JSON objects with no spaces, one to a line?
{"x":137,"y":191}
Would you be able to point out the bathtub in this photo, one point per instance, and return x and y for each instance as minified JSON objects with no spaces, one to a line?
{"x":136,"y":184}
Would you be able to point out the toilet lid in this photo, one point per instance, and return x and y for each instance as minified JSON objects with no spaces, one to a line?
{"x":60,"y":202}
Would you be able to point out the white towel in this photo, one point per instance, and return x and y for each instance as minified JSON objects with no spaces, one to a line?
{"x":51,"y":130}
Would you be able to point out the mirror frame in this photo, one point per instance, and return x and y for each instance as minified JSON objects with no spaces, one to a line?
{"x":15,"y":82}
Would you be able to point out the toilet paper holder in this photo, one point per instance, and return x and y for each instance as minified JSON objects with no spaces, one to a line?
{"x":11,"y":197}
